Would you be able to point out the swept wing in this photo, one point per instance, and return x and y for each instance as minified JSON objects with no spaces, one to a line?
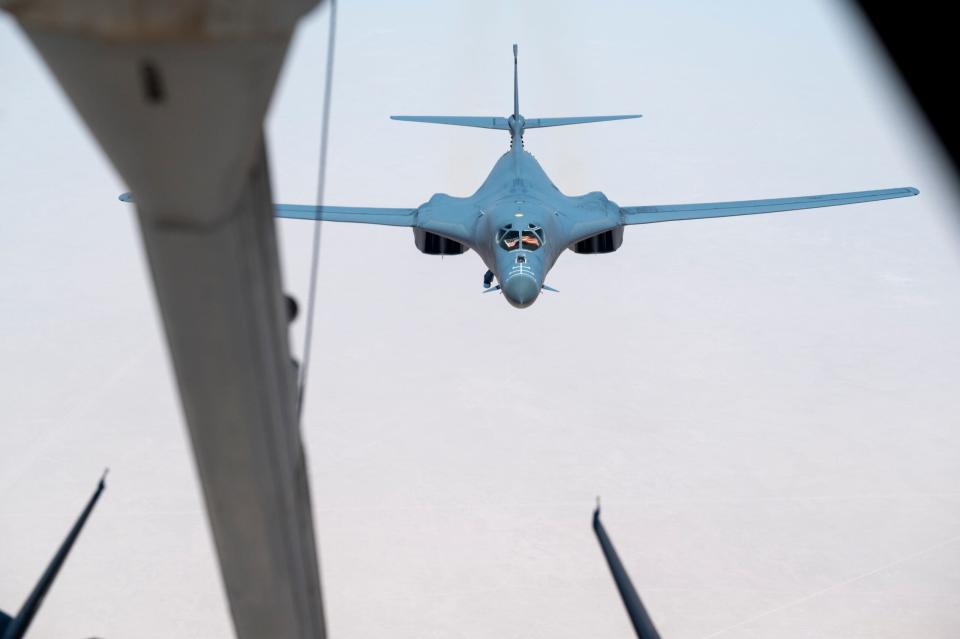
{"x":671,"y":212}
{"x":357,"y":214}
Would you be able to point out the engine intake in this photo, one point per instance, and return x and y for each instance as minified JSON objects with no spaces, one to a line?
{"x":606,"y":242}
{"x":433,"y":244}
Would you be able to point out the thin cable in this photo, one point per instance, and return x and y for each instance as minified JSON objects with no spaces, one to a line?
{"x":315,"y":258}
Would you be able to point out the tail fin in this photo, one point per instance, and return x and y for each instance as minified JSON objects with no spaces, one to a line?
{"x":516,"y":87}
{"x":503,"y":124}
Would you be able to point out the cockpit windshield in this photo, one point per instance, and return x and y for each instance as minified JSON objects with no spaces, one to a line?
{"x":528,"y":239}
{"x":509,"y":239}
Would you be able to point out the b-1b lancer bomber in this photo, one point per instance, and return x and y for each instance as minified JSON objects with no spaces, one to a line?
{"x":520,"y":223}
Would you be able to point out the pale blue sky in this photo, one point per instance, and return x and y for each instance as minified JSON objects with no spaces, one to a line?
{"x":767,"y":404}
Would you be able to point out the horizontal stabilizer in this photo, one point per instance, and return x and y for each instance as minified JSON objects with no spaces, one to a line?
{"x":456,"y":120}
{"x":539,"y":123}
{"x":504,"y":124}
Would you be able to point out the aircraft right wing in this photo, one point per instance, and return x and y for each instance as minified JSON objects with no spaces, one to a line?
{"x":357,"y":214}
{"x":671,"y":212}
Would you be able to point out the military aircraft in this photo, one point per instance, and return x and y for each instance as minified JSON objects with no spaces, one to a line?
{"x":519,"y":222}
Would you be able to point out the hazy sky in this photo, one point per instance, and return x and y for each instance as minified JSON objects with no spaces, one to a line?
{"x":767,"y":405}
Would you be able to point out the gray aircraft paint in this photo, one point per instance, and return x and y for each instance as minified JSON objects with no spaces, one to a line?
{"x":517,"y":196}
{"x":755,"y":438}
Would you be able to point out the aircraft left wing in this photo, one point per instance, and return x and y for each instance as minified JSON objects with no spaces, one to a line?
{"x":671,"y":212}
{"x":357,"y":214}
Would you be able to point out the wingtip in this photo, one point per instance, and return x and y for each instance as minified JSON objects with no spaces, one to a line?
{"x":126,"y":197}
{"x":913,"y":190}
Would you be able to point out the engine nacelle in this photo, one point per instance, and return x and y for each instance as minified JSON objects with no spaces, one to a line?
{"x":606,"y":242}
{"x":433,"y":244}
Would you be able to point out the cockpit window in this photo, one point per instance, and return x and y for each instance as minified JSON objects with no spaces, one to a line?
{"x":529,"y":239}
{"x":509,"y":240}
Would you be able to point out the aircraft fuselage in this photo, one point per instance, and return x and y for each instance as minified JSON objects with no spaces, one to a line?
{"x":522,"y":223}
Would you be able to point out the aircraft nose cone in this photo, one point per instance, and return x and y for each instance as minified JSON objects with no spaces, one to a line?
{"x":521,"y":290}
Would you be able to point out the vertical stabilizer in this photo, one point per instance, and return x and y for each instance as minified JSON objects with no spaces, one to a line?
{"x":516,"y":87}
{"x":515,"y":123}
